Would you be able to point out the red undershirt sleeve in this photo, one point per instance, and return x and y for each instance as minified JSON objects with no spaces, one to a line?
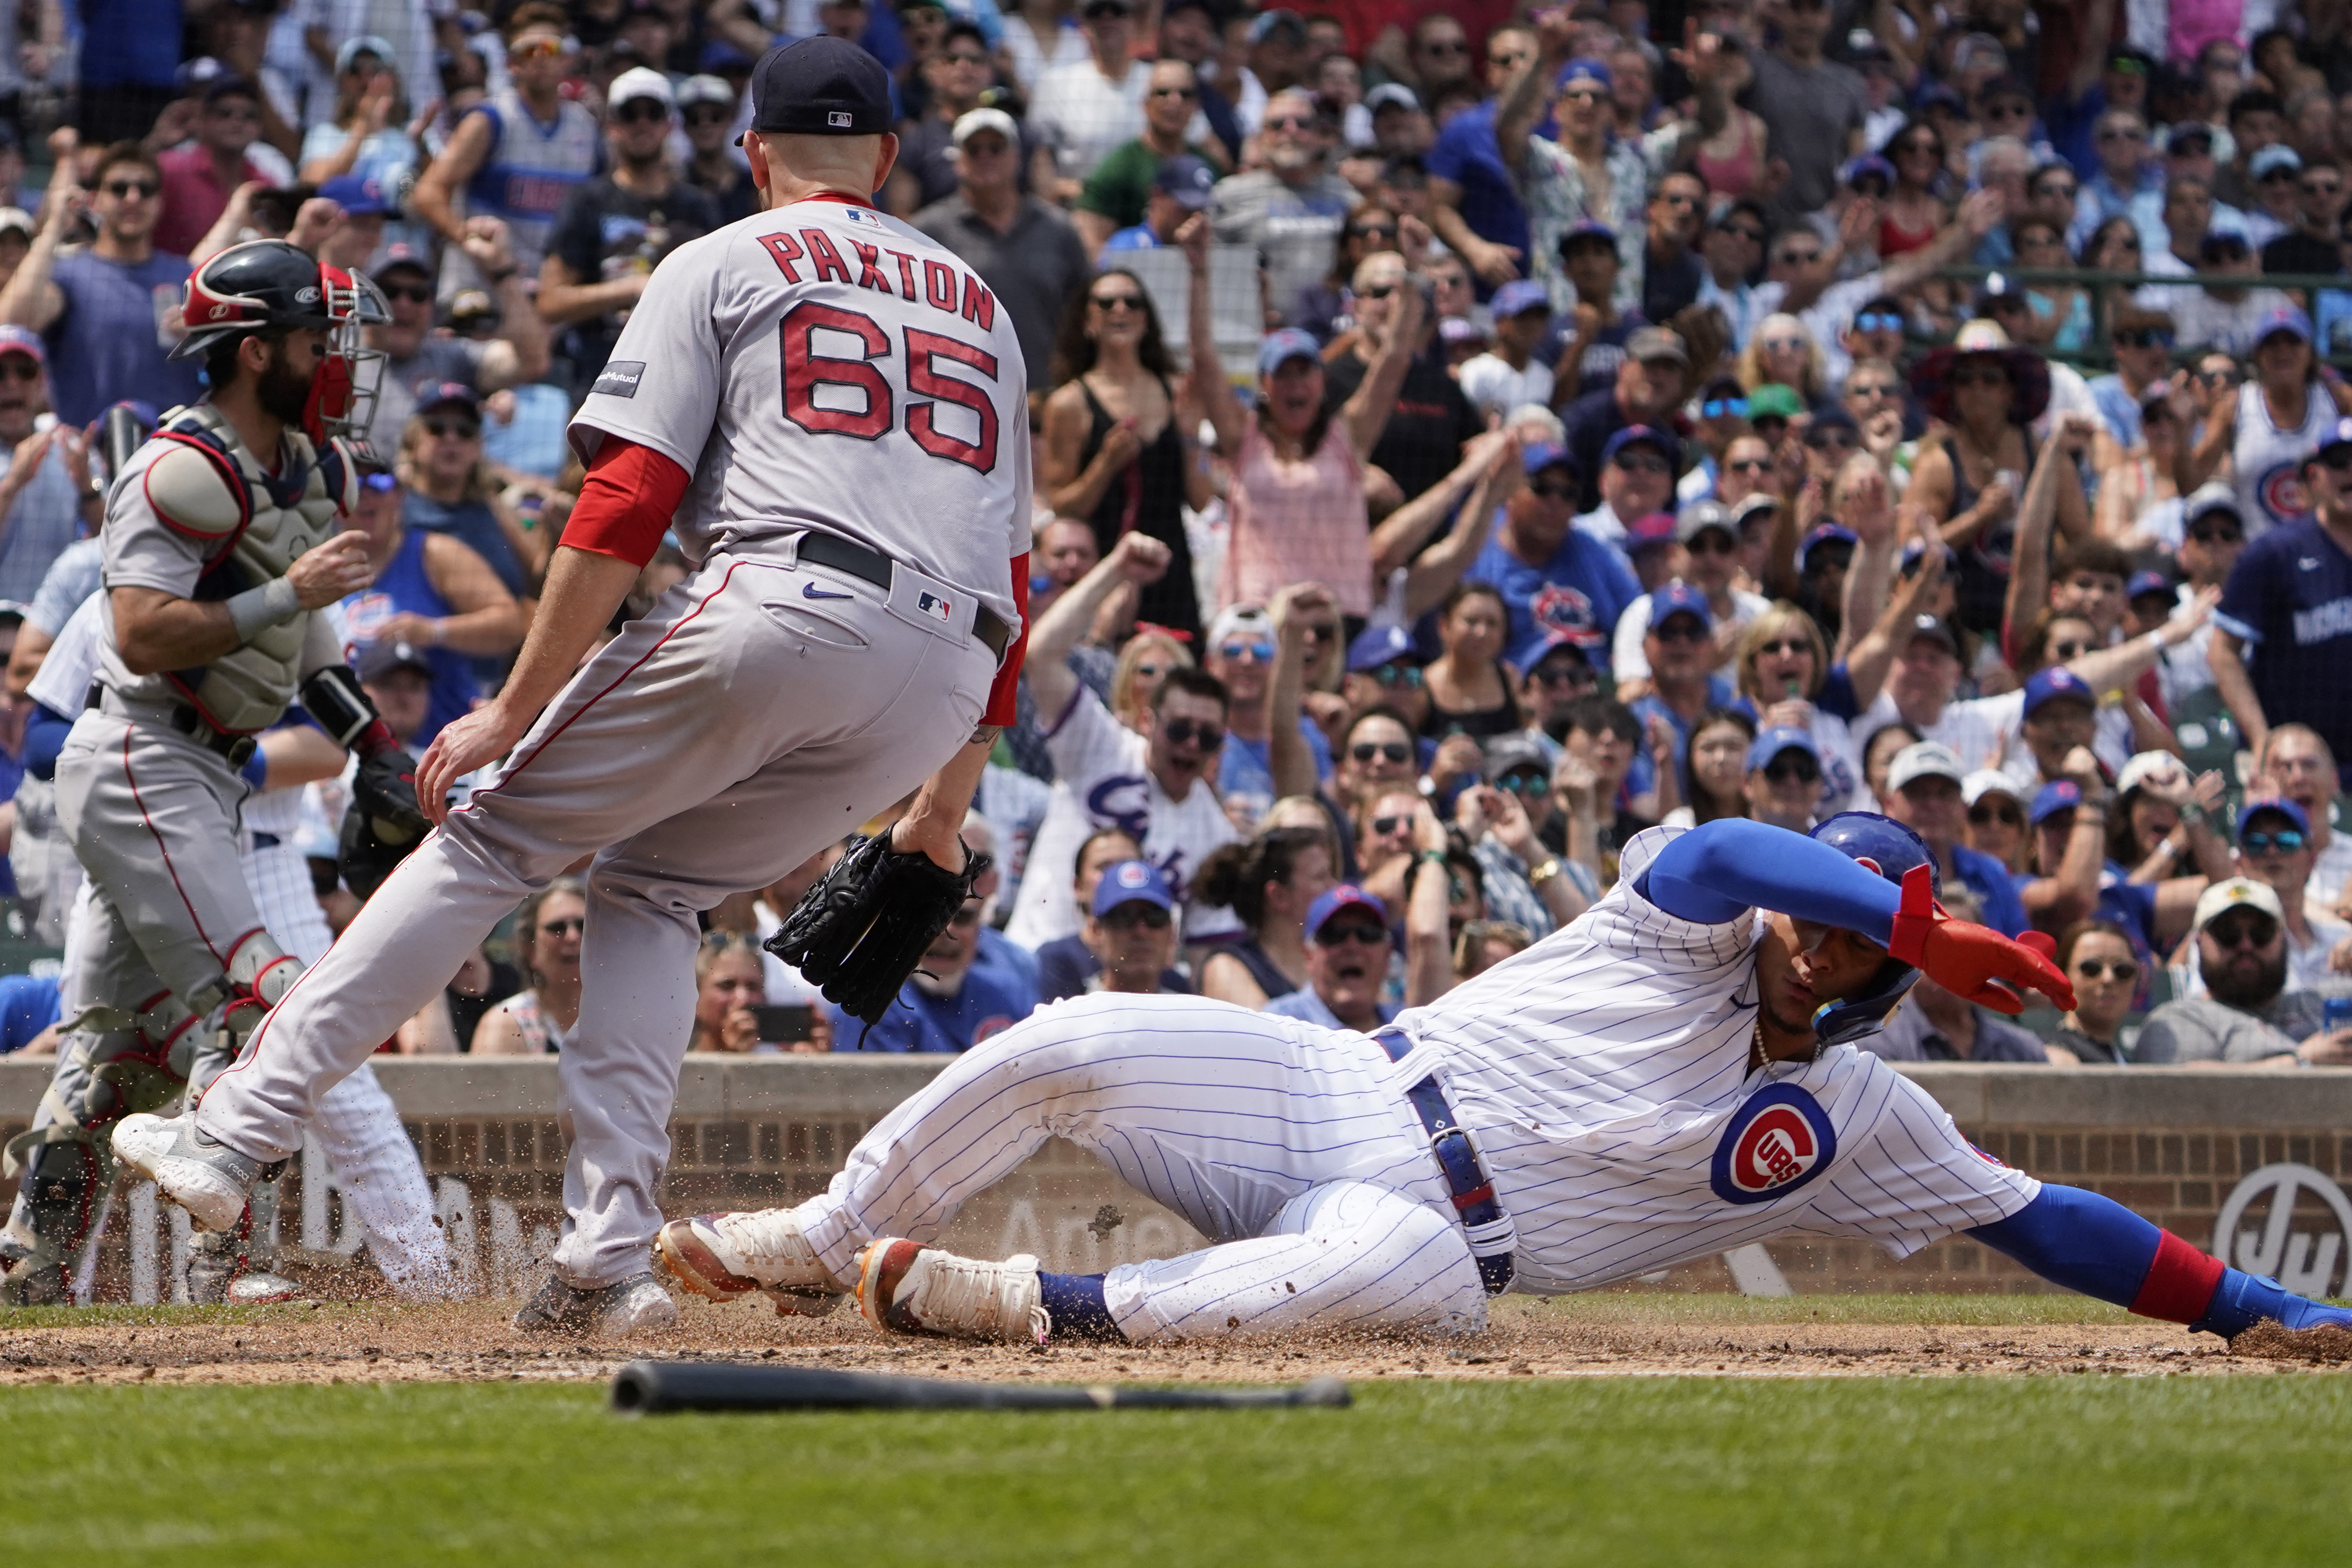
{"x":1008,"y":674}
{"x":626,"y":504}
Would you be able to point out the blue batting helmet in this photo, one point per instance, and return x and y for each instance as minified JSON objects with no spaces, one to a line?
{"x":1891,"y":849}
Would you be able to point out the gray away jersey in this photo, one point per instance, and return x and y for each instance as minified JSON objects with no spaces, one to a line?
{"x":824,"y":366}
{"x":1604,"y":1073}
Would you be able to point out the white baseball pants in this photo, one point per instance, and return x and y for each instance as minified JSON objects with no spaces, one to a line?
{"x":1291,"y":1145}
{"x":718,"y":742}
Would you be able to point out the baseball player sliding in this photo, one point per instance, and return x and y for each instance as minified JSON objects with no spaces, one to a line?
{"x":832,"y":410}
{"x":1670,"y":1076}
{"x":222,"y":543}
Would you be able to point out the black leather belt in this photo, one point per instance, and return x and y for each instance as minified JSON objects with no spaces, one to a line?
{"x":1493,"y":1237}
{"x":832,"y":549}
{"x":266,"y":841}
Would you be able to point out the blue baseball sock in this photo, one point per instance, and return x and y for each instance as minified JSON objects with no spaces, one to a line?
{"x":1076,"y":1301}
{"x":2243,"y":1299}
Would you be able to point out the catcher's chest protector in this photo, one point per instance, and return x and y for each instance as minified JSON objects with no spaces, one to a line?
{"x":206,"y":485}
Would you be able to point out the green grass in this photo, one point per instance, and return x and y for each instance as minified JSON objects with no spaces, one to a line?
{"x":1636,"y":1307}
{"x":1428,"y":1474}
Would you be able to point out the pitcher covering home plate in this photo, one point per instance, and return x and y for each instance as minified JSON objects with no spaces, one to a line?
{"x":830,"y":410}
{"x":1670,"y":1076}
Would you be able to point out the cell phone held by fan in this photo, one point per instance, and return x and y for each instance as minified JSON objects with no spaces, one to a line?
{"x":784,"y":1022}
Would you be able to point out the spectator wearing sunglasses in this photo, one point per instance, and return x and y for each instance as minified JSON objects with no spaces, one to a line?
{"x":1130,"y":928}
{"x":2275,"y":848}
{"x":706,"y":107}
{"x":2295,"y":764}
{"x":199,"y":178}
{"x":1289,"y":210}
{"x":1721,"y":418}
{"x":1733,"y":247}
{"x":1117,"y":193}
{"x":1783,"y":782}
{"x":1383,"y":669}
{"x":416,"y":355}
{"x":1557,"y":579}
{"x":1245,"y":649}
{"x":614,"y":229}
{"x":1155,"y":785}
{"x":2098,"y":958}
{"x":1347,"y":951}
{"x":958,"y":78}
{"x":2143,"y":344}
{"x":2247,"y":1014}
{"x":1996,"y":817}
{"x":451,"y":489}
{"x":1679,"y":644}
{"x":101,"y":309}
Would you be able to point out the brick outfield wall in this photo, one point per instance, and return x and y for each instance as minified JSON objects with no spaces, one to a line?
{"x":2171,"y":1145}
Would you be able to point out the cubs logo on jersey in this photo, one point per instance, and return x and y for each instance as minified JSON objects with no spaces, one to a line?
{"x":1777,"y":1142}
{"x":2280,"y":493}
{"x":1559,"y":608}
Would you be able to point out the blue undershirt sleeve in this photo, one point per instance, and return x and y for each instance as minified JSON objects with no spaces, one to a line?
{"x":2088,"y":1244}
{"x":1718,"y":869}
{"x":45,"y":736}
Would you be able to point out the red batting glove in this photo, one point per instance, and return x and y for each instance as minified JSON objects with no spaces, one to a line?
{"x":1972,"y":961}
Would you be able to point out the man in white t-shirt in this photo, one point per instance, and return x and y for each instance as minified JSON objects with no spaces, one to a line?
{"x":1509,"y":374}
{"x":1156,"y":785}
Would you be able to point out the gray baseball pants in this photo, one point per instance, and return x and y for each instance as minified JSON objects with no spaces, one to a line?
{"x":762,"y":710}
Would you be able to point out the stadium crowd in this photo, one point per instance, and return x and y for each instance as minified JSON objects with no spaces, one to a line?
{"x":1466,"y":434}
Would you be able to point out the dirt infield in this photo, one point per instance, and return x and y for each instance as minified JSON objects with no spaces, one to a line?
{"x":1604,"y":1336}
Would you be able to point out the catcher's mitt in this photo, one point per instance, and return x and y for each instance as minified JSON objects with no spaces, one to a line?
{"x":382,"y":824}
{"x":859,"y":933}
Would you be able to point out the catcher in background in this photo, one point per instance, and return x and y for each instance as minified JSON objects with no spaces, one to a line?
{"x":830,"y":412}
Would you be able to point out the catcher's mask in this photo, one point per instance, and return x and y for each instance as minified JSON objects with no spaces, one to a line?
{"x":268,"y":287}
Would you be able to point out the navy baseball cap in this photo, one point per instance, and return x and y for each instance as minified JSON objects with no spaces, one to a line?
{"x":1377,"y":646}
{"x":1521,"y":294}
{"x":2279,"y":803}
{"x":822,"y":86}
{"x":2065,"y":794}
{"x":2056,"y":684}
{"x":1772,"y":743}
{"x":1187,"y":179}
{"x":1587,"y":228}
{"x":1131,"y":883}
{"x":2149,"y":585}
{"x":1827,"y":533}
{"x":1679,"y":598}
{"x":432,"y":395}
{"x":2339,"y":434}
{"x":1346,"y":896}
{"x":358,"y":196}
{"x":1278,"y":348}
{"x":1587,"y":69}
{"x":1645,"y":434}
{"x":1541,"y":455}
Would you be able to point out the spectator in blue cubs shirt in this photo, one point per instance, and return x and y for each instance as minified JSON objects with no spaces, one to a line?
{"x":1555,"y":581}
{"x":29,"y":1008}
{"x":953,"y":1002}
{"x":1348,"y":949}
{"x":1130,"y":929}
{"x":2282,"y":636}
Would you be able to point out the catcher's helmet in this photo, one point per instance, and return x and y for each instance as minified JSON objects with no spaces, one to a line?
{"x":269,"y":285}
{"x":1889,"y":849}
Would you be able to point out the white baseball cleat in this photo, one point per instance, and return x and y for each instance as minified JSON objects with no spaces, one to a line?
{"x":209,"y":1180}
{"x":905,"y":1288}
{"x":726,"y":1257}
{"x":632,"y":1306}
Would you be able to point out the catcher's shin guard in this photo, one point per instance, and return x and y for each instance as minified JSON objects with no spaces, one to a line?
{"x":259,"y":974}
{"x":56,"y":1203}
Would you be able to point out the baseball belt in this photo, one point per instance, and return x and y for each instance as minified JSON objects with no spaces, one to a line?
{"x":867,"y":565}
{"x":1493,"y":1237}
{"x":234,"y":750}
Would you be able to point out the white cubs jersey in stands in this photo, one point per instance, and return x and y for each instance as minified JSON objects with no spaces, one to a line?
{"x":1604,"y":1073}
{"x":2268,"y":460}
{"x":823,"y":366}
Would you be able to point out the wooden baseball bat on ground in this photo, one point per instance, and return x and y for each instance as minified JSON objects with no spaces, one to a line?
{"x":657,"y":1387}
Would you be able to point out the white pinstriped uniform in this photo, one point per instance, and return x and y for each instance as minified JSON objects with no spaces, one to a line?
{"x":374,"y":1164}
{"x":1603,"y":1074}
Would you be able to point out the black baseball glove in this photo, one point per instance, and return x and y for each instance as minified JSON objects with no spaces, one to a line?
{"x":859,"y":933}
{"x":383,"y":822}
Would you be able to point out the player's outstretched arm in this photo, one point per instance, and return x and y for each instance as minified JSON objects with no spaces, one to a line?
{"x":2096,"y":1246}
{"x":1720,"y":870}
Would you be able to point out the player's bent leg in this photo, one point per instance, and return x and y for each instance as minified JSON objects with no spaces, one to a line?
{"x":1342,"y":1256}
{"x":1223,"y":1114}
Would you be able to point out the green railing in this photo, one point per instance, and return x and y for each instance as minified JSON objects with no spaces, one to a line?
{"x":2098,"y":354}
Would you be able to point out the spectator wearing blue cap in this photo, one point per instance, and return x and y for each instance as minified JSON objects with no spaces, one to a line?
{"x":1509,"y":374}
{"x":1384,"y":670}
{"x":2283,"y":641}
{"x":1636,"y":478}
{"x":1347,"y":951}
{"x":1784,"y":781}
{"x":2276,"y":849}
{"x":1118,"y":193}
{"x":1680,"y":646}
{"x":1583,"y":172}
{"x":1130,"y":928}
{"x":46,"y":500}
{"x":1182,"y":187}
{"x":1649,"y":544}
{"x":1556,"y":580}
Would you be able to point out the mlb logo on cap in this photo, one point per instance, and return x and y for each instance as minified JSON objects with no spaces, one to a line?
{"x":838,"y":118}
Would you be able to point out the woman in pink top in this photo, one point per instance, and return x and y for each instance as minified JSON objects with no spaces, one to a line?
{"x":1298,"y":496}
